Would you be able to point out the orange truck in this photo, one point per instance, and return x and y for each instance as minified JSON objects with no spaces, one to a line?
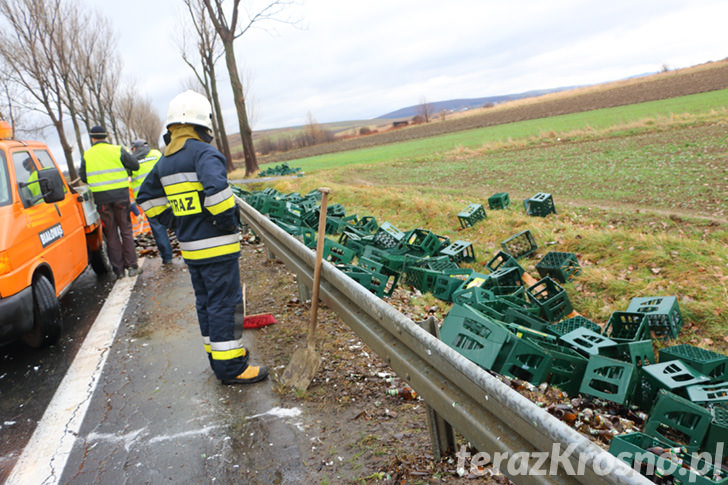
{"x":50,"y":232}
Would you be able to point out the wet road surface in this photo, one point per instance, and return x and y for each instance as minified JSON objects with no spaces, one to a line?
{"x":29,"y":377}
{"x":158,"y":414}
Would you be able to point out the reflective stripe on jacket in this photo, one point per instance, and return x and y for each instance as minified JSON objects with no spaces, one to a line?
{"x":192,"y":185}
{"x":104,"y":170}
{"x":146,"y":165}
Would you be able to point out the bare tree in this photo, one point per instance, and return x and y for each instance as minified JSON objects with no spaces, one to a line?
{"x":229,"y":31}
{"x":425,"y":110}
{"x":28,"y":48}
{"x":209,"y":52}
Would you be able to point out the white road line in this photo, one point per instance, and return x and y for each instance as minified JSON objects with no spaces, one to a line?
{"x":45,"y":456}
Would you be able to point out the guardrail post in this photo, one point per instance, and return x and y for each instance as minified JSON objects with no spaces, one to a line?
{"x":304,"y":292}
{"x":441,"y":433}
{"x":269,"y":254}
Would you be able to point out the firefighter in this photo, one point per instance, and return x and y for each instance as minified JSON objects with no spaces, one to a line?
{"x":147,"y":158}
{"x":188,"y":188}
{"x":104,"y":168}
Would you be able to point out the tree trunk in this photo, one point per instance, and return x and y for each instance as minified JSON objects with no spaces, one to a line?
{"x":67,"y":150}
{"x":246,"y":134}
{"x":224,"y":144}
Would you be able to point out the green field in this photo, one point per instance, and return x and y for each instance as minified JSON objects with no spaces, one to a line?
{"x":641,"y":194}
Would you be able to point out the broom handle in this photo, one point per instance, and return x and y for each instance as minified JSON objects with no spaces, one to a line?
{"x":325,"y":191}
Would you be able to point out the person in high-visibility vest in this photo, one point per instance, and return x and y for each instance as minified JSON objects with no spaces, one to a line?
{"x":148,"y":157}
{"x":188,"y":187}
{"x":105,"y":168}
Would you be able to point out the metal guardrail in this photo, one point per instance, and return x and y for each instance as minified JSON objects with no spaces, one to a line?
{"x":489,"y":414}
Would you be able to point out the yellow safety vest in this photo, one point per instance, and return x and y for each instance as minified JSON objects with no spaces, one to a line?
{"x":145,"y":166}
{"x":104,"y":170}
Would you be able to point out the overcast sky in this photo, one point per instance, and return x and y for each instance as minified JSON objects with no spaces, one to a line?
{"x":360,"y":59}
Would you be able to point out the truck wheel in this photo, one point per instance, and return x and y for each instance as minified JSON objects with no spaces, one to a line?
{"x":100,"y":260}
{"x":47,"y":318}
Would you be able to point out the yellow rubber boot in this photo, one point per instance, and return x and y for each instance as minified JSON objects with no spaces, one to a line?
{"x":251,"y":374}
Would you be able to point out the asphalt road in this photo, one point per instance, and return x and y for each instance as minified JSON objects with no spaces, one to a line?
{"x":29,"y":377}
{"x":155,"y":413}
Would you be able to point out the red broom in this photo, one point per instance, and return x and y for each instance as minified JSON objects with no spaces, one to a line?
{"x":258,"y":320}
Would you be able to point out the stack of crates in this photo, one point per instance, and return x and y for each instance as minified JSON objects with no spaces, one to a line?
{"x":559,"y":266}
{"x":471,"y":214}
{"x":499,"y":201}
{"x":541,"y":205}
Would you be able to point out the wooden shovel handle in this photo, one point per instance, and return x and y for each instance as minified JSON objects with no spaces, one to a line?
{"x":325,"y":191}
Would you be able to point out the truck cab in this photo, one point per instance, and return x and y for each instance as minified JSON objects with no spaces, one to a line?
{"x":49,"y":233}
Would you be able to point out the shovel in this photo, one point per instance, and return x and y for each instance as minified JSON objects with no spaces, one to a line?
{"x":306,"y":361}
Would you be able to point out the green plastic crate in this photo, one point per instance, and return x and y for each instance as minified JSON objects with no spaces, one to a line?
{"x":565,"y":326}
{"x":567,"y":367}
{"x":710,"y":363}
{"x":559,"y":266}
{"x":474,"y":279}
{"x":526,"y":319}
{"x":551,"y":298}
{"x":474,"y":296}
{"x":610,"y":379}
{"x":499,"y":200}
{"x":474,"y":335}
{"x":510,"y":276}
{"x":520,"y":245}
{"x":678,"y":421}
{"x":718,"y":431}
{"x":502,"y":260}
{"x":378,"y":268}
{"x":662,"y":312}
{"x":660,"y":468}
{"x":367,"y":224}
{"x":541,"y":205}
{"x":424,"y":241}
{"x":716,"y":392}
{"x":527,"y":361}
{"x":627,"y":327}
{"x":447,"y":282}
{"x":460,"y":252}
{"x":587,"y":341}
{"x":372,"y":281}
{"x":388,"y":236}
{"x":673,"y":376}
{"x":639,"y":352}
{"x":337,"y":253}
{"x":471,"y":214}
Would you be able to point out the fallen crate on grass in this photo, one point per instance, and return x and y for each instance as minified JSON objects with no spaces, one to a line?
{"x":541,"y":205}
{"x":471,"y":214}
{"x":520,"y":245}
{"x":559,"y":266}
{"x":499,"y":201}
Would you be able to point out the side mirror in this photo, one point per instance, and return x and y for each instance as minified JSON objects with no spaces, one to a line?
{"x":51,"y":185}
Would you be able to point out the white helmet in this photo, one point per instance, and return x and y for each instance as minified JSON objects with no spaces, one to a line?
{"x":190,"y":108}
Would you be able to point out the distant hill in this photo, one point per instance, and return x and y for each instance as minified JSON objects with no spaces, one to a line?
{"x":470,"y":103}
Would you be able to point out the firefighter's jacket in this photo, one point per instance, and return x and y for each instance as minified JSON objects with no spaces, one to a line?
{"x":188,"y":190}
